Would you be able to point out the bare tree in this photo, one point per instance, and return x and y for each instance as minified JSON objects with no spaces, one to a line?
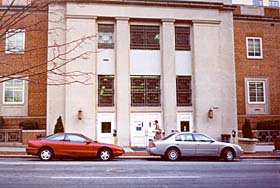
{"x":32,"y":63}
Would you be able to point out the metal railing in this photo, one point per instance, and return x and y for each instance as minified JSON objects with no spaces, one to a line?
{"x":268,"y":135}
{"x":10,"y":135}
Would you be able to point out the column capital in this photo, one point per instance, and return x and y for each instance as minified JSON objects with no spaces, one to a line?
{"x":122,"y":18}
{"x":168,"y":20}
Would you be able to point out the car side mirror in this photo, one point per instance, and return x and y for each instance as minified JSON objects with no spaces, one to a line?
{"x":88,"y":141}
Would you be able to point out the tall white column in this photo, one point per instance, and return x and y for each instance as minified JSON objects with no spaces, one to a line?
{"x":206,"y":78}
{"x":168,"y":75}
{"x":81,"y":96}
{"x":122,"y":81}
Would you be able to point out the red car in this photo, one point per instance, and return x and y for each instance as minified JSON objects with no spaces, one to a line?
{"x":71,"y":145}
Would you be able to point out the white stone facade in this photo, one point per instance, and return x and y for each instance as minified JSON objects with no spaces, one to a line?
{"x":210,"y":62}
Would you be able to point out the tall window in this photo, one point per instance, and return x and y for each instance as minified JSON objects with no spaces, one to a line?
{"x":258,"y":2}
{"x":105,"y":36}
{"x":254,"y":47}
{"x":15,"y":41}
{"x":256,"y":91}
{"x":273,"y":3}
{"x":144,"y":37}
{"x":145,"y":90}
{"x":13,"y":92}
{"x":182,"y":38}
{"x":105,"y":90}
{"x":184,"y":91}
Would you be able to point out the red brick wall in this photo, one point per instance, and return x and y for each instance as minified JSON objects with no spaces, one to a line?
{"x":36,"y":41}
{"x":268,"y":67}
{"x":31,"y":135}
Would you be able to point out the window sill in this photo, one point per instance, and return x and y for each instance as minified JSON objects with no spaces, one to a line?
{"x":256,"y":58}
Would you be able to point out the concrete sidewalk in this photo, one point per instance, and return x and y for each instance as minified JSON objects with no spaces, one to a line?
{"x":263,"y":152}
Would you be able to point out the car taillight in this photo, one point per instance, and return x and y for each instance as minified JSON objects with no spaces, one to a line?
{"x":152,"y":145}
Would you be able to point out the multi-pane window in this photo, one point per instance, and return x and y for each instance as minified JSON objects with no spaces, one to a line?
{"x":273,"y":3}
{"x":144,"y":37}
{"x":15,"y":41}
{"x":13,"y":92}
{"x":182,"y":38}
{"x":145,"y":90}
{"x":256,"y":91}
{"x":105,"y":36}
{"x":105,"y":90}
{"x":254,"y":47}
{"x":258,"y":2}
{"x":184,"y":91}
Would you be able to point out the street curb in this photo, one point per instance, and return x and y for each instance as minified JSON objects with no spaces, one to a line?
{"x":142,"y":157}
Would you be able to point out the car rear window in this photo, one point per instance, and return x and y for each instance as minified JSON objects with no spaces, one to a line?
{"x":55,"y":137}
{"x":165,"y":138}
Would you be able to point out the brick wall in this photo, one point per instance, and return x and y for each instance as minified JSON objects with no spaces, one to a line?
{"x":268,"y":67}
{"x":32,"y":135}
{"x":36,"y":41}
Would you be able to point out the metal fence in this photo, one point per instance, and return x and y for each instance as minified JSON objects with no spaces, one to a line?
{"x":268,"y":135}
{"x":10,"y":135}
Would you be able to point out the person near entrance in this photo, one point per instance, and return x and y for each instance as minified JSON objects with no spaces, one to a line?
{"x":157,"y":131}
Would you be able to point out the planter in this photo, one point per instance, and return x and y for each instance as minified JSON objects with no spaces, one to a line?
{"x":248,"y":144}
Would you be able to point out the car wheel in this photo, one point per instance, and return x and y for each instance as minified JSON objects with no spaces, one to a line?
{"x":228,"y":155}
{"x":105,"y":154}
{"x":46,"y":154}
{"x":172,"y":154}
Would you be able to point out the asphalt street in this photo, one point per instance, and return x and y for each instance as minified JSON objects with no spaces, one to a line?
{"x":33,"y":173}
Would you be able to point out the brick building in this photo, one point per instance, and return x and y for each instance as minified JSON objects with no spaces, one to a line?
{"x":257,"y":65}
{"x":23,"y":65}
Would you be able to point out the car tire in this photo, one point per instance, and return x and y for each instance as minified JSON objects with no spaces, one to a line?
{"x":228,"y":155}
{"x":172,"y":154}
{"x":105,"y":154}
{"x":46,"y":154}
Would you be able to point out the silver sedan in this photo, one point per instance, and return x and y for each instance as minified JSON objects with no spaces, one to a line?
{"x":188,"y":144}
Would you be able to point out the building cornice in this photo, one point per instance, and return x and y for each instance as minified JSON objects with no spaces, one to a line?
{"x":162,"y":3}
{"x":256,"y":18}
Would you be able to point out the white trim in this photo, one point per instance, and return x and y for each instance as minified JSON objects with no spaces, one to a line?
{"x":264,"y":91}
{"x":14,"y":103}
{"x":15,"y":33}
{"x":247,"y":48}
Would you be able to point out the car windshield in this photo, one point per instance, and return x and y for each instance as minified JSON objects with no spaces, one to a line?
{"x":165,"y":138}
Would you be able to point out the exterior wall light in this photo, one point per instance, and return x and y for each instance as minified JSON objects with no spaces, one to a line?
{"x":80,"y":114}
{"x":210,"y":113}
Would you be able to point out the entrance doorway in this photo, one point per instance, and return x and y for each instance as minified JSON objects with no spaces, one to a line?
{"x":185,"y":126}
{"x":105,"y":127}
{"x":143,"y":127}
{"x":185,"y":122}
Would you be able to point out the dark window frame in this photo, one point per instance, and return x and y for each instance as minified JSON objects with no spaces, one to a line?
{"x":106,"y":28}
{"x":182,"y":38}
{"x":145,"y":37}
{"x":184,"y":90}
{"x":145,"y":91}
{"x":106,"y":90}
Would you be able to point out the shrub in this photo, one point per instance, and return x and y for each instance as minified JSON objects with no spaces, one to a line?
{"x":2,"y":121}
{"x":59,"y":126}
{"x":28,"y":124}
{"x":247,"y":130}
